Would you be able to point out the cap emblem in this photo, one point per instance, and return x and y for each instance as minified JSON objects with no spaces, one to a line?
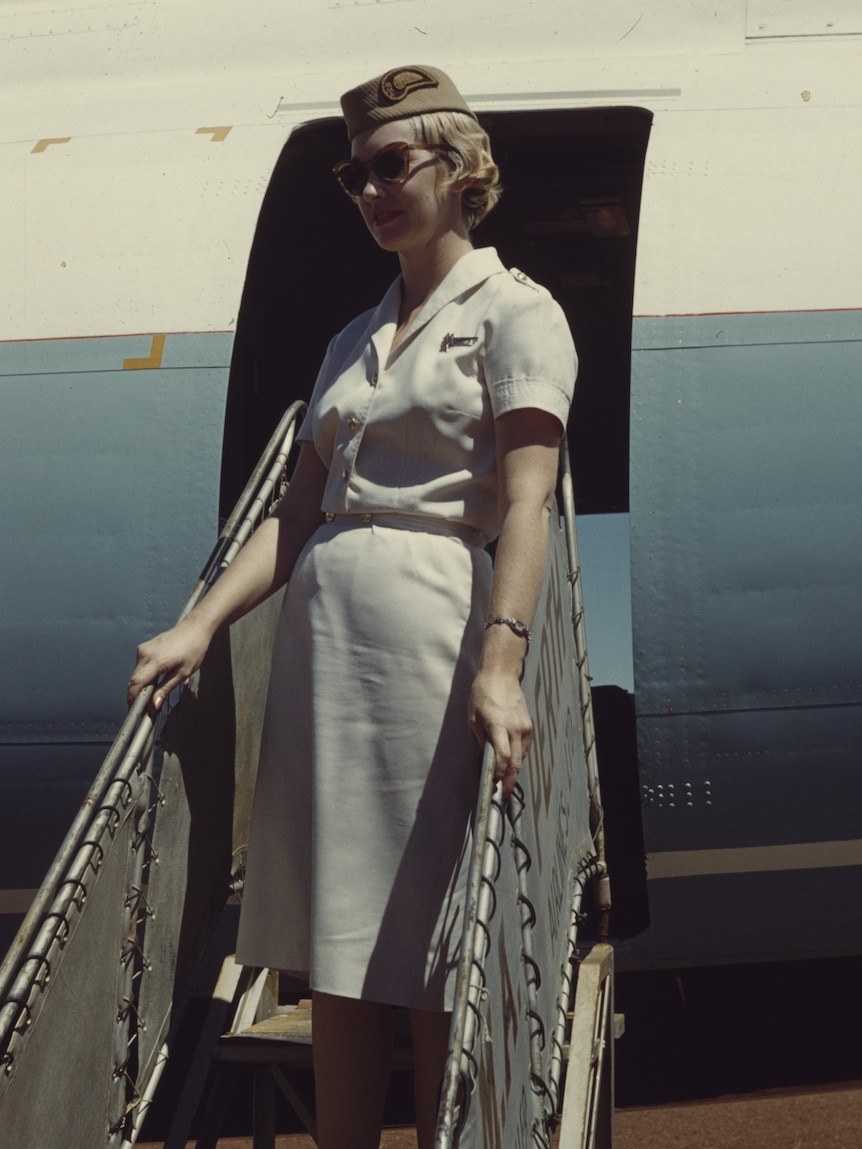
{"x":400,"y":82}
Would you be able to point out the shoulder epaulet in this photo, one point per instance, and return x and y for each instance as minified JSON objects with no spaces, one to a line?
{"x":522,"y":277}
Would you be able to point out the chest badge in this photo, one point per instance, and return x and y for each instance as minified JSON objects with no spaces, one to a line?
{"x":457,"y":341}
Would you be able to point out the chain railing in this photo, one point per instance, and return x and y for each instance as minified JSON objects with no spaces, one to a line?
{"x":553,"y":853}
{"x":119,"y":808}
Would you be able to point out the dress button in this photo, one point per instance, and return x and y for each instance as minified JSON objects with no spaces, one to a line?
{"x":352,"y":424}
{"x":374,"y":380}
{"x":365,"y":518}
{"x":345,"y":475}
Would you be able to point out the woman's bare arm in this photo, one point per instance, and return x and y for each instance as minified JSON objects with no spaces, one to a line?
{"x":527,"y":462}
{"x":261,"y":567}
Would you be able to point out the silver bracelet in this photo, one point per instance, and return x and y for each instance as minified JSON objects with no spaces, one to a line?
{"x":516,"y":626}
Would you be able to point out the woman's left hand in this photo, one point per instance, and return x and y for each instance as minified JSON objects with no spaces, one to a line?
{"x":527,"y":458}
{"x":498,"y":714}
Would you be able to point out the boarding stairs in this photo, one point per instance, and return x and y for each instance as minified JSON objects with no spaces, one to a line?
{"x":134,"y":920}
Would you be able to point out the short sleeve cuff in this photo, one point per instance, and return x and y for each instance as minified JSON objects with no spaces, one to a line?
{"x":517,"y":394}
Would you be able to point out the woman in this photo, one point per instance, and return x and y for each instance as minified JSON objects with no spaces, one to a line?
{"x":433,"y":428}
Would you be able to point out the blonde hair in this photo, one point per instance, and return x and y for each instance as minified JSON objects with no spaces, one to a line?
{"x":469,"y":153}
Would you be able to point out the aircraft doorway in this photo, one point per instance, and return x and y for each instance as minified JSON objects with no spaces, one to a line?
{"x":569,"y":219}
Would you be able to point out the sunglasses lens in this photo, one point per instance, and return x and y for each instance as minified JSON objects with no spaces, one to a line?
{"x":391,"y":165}
{"x":352,"y":177}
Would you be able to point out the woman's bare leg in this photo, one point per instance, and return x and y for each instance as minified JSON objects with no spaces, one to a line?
{"x":430,"y":1032}
{"x":352,"y":1050}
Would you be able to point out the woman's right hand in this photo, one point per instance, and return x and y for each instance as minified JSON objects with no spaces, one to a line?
{"x":169,"y":659}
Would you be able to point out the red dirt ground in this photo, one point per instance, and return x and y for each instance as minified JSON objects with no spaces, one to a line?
{"x":826,"y":1118}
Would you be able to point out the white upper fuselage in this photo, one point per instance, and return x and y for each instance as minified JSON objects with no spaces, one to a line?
{"x":142,"y":218}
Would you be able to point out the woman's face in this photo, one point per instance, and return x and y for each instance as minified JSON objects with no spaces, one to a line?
{"x":408,"y":217}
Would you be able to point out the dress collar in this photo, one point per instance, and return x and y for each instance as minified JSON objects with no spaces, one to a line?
{"x":473,"y":268}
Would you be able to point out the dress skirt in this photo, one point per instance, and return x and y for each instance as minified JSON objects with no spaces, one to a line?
{"x":361,"y":826}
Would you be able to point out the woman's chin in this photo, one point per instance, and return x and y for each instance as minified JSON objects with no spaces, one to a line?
{"x":388,"y":235}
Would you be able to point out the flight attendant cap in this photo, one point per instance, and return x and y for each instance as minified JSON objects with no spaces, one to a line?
{"x":401,"y":92}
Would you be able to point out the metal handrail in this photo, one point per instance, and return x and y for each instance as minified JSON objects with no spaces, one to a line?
{"x":488,"y":827}
{"x":603,"y":885}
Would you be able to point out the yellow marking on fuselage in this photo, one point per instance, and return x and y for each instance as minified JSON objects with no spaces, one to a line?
{"x":754,"y":859}
{"x":43,"y":144}
{"x":218,"y":134}
{"x":154,"y":360}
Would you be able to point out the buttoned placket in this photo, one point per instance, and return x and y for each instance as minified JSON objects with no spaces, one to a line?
{"x":380,"y":356}
{"x":358,"y":421}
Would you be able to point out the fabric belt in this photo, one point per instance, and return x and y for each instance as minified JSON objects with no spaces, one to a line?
{"x":422,"y":523}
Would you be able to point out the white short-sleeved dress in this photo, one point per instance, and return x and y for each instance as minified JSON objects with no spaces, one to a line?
{"x":360,"y":833}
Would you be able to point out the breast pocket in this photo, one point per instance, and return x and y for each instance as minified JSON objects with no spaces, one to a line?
{"x":457,"y":385}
